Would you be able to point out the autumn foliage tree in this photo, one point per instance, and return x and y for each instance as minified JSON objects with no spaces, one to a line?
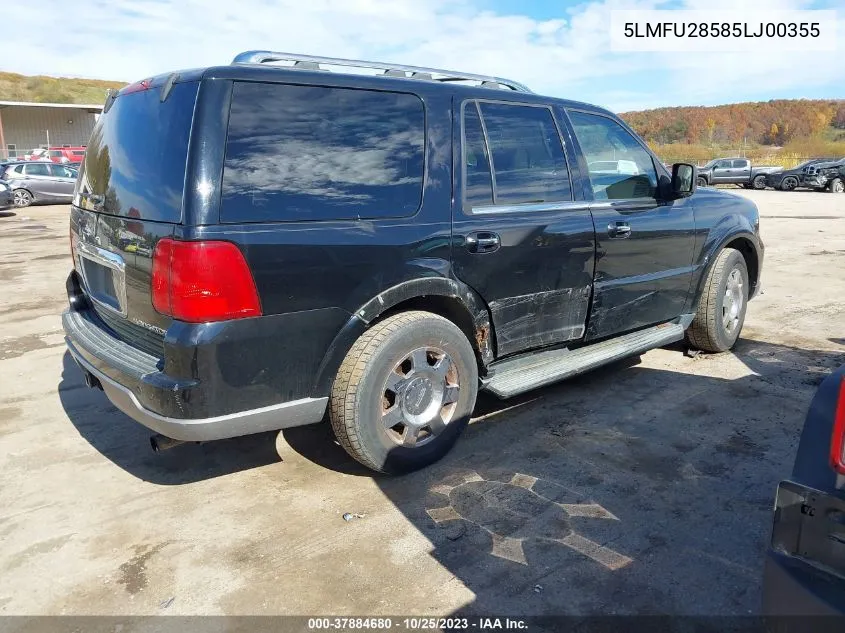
{"x":770,"y":122}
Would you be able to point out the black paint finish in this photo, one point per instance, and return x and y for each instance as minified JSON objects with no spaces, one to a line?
{"x":549,"y":273}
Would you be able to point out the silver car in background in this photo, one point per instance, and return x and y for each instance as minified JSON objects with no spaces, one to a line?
{"x":38,"y":182}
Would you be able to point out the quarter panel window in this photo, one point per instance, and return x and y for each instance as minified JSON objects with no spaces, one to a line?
{"x":528,"y":160}
{"x":618,"y":166}
{"x":318,"y":153}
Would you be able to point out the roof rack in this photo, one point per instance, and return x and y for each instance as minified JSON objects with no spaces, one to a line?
{"x":311,"y":62}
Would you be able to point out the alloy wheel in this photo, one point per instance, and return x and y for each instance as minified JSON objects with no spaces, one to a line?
{"x":733,"y":302}
{"x":419,"y":397}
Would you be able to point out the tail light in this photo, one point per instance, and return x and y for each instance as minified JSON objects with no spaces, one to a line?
{"x":138,"y":86}
{"x":837,"y":440}
{"x":202,"y":281}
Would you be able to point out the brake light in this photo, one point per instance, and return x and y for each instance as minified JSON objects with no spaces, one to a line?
{"x":202,"y":281}
{"x":138,"y":86}
{"x":837,"y":440}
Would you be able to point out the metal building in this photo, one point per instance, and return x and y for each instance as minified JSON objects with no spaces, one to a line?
{"x":25,"y":126}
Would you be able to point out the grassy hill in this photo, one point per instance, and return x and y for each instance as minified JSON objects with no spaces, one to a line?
{"x":41,"y":89}
{"x":782,"y":131}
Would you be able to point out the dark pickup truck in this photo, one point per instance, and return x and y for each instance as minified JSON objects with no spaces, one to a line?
{"x":734,"y":171}
{"x":377,"y":249}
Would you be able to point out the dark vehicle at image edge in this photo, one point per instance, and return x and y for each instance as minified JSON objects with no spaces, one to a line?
{"x":789,"y":179}
{"x":804,"y":573}
{"x":307,"y":243}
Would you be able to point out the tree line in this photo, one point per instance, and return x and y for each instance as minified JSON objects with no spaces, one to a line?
{"x":775,"y":122}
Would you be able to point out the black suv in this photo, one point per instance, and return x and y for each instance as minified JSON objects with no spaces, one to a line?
{"x":257,"y":246}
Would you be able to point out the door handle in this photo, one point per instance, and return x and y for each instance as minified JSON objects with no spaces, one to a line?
{"x":483,"y":242}
{"x":619,"y":230}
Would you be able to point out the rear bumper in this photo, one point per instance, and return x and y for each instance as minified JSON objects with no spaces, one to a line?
{"x":802,"y":572}
{"x":132,"y":378}
{"x":793,"y":587}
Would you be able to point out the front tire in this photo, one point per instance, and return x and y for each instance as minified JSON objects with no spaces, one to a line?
{"x":700,"y":182}
{"x":21,"y":198}
{"x":836,"y":186}
{"x":722,"y":305}
{"x":405,"y":392}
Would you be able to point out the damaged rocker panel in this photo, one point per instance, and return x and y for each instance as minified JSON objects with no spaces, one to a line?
{"x":539,"y":319}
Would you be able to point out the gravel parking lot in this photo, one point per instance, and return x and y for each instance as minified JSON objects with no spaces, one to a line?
{"x":667,"y":468}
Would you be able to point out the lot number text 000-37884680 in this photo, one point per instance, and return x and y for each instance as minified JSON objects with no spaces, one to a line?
{"x":722,"y":31}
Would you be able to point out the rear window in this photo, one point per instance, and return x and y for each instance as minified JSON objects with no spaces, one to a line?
{"x":136,"y":156}
{"x":318,"y":153}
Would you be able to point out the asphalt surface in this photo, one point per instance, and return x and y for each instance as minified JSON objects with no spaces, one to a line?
{"x":639,"y":488}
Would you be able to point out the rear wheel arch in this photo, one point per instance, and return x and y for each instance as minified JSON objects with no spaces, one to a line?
{"x":437,"y":295}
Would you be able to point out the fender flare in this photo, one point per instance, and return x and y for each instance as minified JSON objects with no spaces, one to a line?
{"x":477,"y":315}
{"x":710,"y":260}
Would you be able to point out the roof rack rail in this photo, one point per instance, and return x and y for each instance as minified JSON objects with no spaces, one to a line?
{"x":312,"y":62}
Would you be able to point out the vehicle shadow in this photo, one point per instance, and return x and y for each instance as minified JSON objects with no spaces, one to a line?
{"x":629,"y":490}
{"x":7,"y":213}
{"x":126,"y":443}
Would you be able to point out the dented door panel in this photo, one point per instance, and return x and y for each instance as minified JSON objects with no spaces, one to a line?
{"x":538,"y":283}
{"x":644,"y":278}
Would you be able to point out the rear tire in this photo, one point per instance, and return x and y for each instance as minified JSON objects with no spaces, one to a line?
{"x":836,"y":186}
{"x":788,"y":184}
{"x":21,"y":198}
{"x":404,"y":393}
{"x":722,"y":305}
{"x":759,"y":182}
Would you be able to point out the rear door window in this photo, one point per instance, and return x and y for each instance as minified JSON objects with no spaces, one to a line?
{"x":528,"y":161}
{"x":37,"y":169}
{"x":318,"y":153}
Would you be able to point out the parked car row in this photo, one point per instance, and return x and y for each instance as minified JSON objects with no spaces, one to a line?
{"x":36,"y":181}
{"x":55,"y":154}
{"x":819,"y":174}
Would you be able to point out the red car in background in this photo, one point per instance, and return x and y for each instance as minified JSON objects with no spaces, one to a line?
{"x":57,"y":154}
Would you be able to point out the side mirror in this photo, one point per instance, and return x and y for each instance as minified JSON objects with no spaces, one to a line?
{"x":683,"y":180}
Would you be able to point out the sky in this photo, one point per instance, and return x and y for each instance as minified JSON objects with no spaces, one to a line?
{"x":560,"y":48}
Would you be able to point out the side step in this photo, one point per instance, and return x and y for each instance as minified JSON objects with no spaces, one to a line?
{"x":517,"y":375}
